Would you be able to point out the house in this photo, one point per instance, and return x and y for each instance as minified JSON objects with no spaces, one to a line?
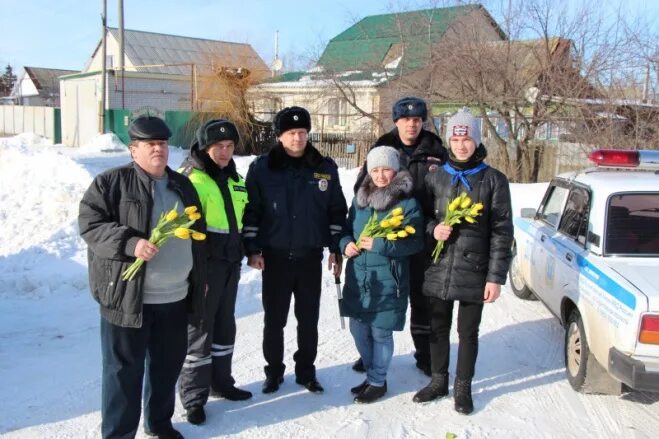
{"x":367,"y":67}
{"x":38,"y":86}
{"x":162,"y":73}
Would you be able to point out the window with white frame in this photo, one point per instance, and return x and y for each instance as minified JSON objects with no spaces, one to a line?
{"x":338,"y":112}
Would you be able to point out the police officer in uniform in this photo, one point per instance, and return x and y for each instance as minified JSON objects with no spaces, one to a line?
{"x":420,"y":151}
{"x":212,"y":170}
{"x":296,"y":208}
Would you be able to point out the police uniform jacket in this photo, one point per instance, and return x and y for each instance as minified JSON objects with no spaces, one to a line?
{"x":296,"y":205}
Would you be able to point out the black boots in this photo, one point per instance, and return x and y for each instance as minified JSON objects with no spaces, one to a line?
{"x":437,"y":388}
{"x":358,"y":366}
{"x":312,"y":385}
{"x":462,"y":395}
{"x":232,"y":393}
{"x":271,"y":384}
{"x":359,"y":389}
{"x":196,"y":415}
{"x":370,"y":394}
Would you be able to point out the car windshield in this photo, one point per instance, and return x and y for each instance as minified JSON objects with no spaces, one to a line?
{"x":632,"y":224}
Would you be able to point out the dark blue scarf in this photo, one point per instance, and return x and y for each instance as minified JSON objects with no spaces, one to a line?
{"x":462,"y":175}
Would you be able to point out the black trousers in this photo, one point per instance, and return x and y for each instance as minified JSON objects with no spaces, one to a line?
{"x":210,"y":348}
{"x":469,"y":320}
{"x":283,"y":277}
{"x":159,"y":345}
{"x":419,"y":310}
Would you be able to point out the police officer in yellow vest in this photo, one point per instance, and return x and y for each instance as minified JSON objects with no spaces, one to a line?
{"x":223,"y":196}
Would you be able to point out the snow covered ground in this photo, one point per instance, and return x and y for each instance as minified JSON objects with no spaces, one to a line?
{"x":50,"y":349}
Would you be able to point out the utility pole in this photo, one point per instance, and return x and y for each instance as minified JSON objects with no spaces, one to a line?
{"x":104,"y":67}
{"x":121,"y":53}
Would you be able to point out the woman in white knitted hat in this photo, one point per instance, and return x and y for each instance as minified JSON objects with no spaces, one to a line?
{"x":475,"y":259}
{"x":376,"y":288}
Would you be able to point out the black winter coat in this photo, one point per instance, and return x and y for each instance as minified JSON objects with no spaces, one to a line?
{"x":296,"y":206}
{"x":115,"y":213}
{"x":428,"y":155}
{"x":474,"y":253}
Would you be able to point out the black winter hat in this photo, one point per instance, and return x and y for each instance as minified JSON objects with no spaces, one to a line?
{"x":216,"y":130}
{"x":409,"y":106}
{"x":148,"y":128}
{"x":290,"y":118}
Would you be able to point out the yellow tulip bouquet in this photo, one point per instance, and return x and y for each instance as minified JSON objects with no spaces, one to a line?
{"x":390,"y":227}
{"x":460,"y":208}
{"x":169,"y":225}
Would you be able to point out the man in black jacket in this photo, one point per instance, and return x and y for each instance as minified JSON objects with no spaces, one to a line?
{"x":420,"y":151}
{"x":144,"y":320}
{"x":296,"y":207}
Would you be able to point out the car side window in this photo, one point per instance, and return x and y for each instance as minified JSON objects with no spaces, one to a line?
{"x":552,"y":206}
{"x":574,"y":221}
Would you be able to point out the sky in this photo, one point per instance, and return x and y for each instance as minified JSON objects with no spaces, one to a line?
{"x":63,"y":34}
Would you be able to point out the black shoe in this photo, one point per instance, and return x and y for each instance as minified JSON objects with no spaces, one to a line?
{"x":371,"y":394}
{"x":437,"y":388}
{"x":358,"y":366}
{"x":196,"y":415}
{"x":311,"y":385}
{"x":462,"y":395}
{"x":167,"y":433}
{"x":271,"y":384}
{"x":359,"y":389}
{"x":232,"y":393}
{"x":424,"y":366}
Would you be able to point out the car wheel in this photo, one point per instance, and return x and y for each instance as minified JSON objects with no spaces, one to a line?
{"x":517,"y":283}
{"x":576,"y":351}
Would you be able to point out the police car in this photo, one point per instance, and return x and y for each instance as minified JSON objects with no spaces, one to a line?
{"x":590,"y":253}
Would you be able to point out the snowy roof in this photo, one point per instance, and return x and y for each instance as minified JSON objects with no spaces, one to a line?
{"x":45,"y":80}
{"x":145,"y":49}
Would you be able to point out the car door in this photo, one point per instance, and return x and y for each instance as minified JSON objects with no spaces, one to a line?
{"x":546,"y":224}
{"x":568,"y":251}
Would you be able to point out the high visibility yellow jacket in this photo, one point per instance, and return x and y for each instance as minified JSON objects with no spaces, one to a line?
{"x":223,"y":200}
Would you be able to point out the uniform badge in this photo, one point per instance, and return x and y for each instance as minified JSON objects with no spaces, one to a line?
{"x":322,"y":184}
{"x":296,"y":117}
{"x":222,"y":129}
{"x":410,"y":107}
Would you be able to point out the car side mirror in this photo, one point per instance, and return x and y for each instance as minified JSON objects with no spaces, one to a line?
{"x":528,"y":212}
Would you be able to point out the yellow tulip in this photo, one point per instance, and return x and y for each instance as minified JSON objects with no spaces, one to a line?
{"x":171,"y":215}
{"x":396,"y":222}
{"x":198,"y":236}
{"x":410,"y":230}
{"x":476,"y":208}
{"x":402,"y":234}
{"x":190,"y":210}
{"x":385,"y":224}
{"x":470,"y":219}
{"x":399,"y":217}
{"x":454,"y":204}
{"x":194,"y":216}
{"x":182,"y":233}
{"x":392,"y":236}
{"x":466,"y":202}
{"x":397,"y":211}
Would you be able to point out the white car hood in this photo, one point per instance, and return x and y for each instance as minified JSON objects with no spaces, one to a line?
{"x":643,"y":273}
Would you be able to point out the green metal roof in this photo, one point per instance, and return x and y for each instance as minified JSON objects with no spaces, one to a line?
{"x":364,"y":45}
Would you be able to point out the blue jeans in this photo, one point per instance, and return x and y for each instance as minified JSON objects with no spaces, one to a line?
{"x":376,"y":347}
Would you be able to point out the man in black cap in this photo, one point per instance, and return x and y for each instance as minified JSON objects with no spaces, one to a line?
{"x":420,"y":151}
{"x":212,"y":171}
{"x":143,"y":320}
{"x":296,"y":208}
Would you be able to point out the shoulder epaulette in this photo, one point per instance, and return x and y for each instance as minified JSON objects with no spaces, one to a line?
{"x":187,"y":170}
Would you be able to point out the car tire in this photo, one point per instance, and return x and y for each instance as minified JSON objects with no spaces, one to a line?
{"x":577,"y":352}
{"x":517,"y":283}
